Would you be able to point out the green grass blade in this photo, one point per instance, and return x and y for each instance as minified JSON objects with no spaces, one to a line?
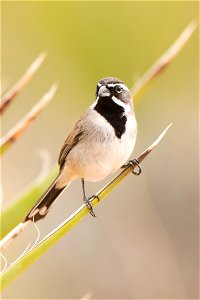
{"x":14,"y":213}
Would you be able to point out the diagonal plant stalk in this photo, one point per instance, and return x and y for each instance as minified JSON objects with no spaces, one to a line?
{"x":21,"y":83}
{"x":163,"y":62}
{"x":23,"y":204}
{"x":23,"y":263}
{"x":20,"y":127}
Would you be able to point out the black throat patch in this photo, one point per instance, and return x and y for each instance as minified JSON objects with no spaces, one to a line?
{"x":113,"y":113}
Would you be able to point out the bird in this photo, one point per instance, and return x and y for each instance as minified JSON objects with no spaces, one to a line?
{"x":100,"y":143}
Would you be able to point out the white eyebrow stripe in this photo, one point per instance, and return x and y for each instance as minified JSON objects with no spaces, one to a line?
{"x":114,"y":84}
{"x":120,"y":84}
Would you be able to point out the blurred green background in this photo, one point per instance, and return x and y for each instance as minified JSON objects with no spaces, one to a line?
{"x":144,"y":242}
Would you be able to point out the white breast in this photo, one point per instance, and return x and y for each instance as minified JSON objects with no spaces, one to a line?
{"x":101,"y":152}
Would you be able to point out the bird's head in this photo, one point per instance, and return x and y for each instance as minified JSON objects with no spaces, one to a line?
{"x":114,"y":89}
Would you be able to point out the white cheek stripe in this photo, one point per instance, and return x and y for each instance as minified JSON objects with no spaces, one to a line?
{"x":126,"y":107}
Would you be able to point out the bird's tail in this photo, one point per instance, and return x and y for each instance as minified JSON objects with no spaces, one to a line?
{"x":41,"y":208}
{"x":38,"y":212}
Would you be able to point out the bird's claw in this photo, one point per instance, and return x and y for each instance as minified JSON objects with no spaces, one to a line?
{"x":134,"y":162}
{"x":87,"y":201}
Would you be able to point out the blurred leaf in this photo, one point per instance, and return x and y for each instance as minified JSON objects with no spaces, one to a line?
{"x":14,"y":213}
{"x":14,"y":91}
{"x":20,"y":127}
{"x":160,"y":65}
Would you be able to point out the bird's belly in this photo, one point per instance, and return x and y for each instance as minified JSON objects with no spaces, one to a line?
{"x":102,"y":167}
{"x":97,"y":162}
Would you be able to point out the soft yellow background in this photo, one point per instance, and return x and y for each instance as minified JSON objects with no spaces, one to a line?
{"x":144,"y":242}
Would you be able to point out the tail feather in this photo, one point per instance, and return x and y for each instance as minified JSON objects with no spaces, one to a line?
{"x":41,"y":208}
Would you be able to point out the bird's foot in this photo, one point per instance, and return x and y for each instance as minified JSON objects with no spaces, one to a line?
{"x":87,"y":201}
{"x":131,"y":163}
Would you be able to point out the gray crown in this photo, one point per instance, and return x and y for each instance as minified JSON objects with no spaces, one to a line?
{"x":108,"y":80}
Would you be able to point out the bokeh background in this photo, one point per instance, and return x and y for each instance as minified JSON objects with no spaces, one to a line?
{"x":144,"y":242}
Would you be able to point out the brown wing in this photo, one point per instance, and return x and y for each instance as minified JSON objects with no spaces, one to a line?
{"x":72,"y":139}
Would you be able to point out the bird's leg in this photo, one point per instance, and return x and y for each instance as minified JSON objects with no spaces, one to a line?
{"x":133,"y":162}
{"x":87,"y":200}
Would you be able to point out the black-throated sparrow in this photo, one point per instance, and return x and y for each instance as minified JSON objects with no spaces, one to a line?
{"x":100,"y":142}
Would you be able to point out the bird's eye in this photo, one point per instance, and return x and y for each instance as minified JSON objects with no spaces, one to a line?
{"x":118,"y":89}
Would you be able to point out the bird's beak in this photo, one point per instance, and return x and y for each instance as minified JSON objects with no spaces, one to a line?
{"x":103,"y":91}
